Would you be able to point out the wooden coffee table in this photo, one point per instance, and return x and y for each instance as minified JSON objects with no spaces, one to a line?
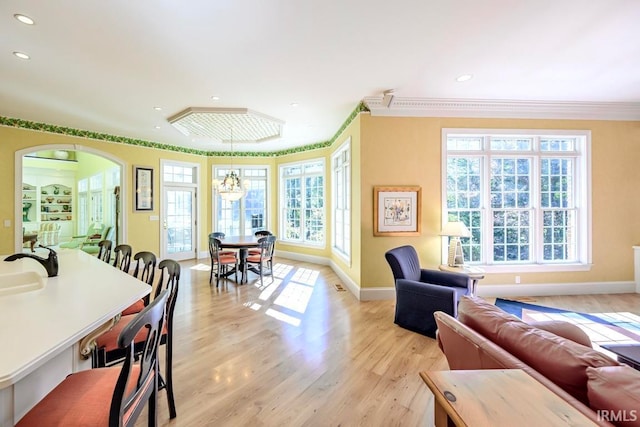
{"x":32,"y":238}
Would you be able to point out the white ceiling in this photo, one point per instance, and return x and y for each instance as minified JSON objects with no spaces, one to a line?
{"x":104,"y":65}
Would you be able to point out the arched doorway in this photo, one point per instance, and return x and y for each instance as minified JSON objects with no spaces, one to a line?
{"x":64,"y":208}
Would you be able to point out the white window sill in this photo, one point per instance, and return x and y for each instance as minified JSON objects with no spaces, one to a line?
{"x":532,"y":268}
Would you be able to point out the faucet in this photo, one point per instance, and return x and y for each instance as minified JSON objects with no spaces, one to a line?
{"x":50,"y":263}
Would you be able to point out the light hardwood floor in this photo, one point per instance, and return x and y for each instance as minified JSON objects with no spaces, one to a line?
{"x":297,"y":352}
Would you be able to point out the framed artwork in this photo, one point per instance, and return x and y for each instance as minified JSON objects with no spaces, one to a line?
{"x":396,"y":211}
{"x":143,"y":182}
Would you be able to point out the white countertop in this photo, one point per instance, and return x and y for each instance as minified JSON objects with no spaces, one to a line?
{"x":38,"y":324}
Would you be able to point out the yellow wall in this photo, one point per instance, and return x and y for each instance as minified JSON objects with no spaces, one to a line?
{"x":388,"y":151}
{"x":142,"y":233}
{"x":407,"y":151}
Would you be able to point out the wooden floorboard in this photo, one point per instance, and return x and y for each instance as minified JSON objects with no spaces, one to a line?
{"x":297,"y":352}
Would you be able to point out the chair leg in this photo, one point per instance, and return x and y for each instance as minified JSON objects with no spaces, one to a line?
{"x":169,"y":381}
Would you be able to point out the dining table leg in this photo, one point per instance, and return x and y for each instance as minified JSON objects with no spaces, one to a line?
{"x":243,"y":252}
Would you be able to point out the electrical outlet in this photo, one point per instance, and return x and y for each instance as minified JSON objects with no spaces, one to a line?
{"x":517,"y":280}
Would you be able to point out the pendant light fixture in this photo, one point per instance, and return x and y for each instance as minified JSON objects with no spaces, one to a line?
{"x":231,"y":187}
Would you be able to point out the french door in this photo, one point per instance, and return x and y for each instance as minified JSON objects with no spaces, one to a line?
{"x":179,"y":223}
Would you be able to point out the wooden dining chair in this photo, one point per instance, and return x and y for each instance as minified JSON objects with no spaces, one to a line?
{"x":258,"y":262}
{"x":107,"y":353}
{"x":113,"y":396}
{"x":145,"y":270}
{"x":104,"y":251}
{"x":220,"y":261}
{"x":220,"y":235}
{"x":122,"y":257}
{"x":258,"y":234}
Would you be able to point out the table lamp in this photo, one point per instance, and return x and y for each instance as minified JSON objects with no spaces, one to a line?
{"x":455,"y":230}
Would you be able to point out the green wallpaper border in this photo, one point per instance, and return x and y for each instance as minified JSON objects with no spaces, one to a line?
{"x":61,"y":130}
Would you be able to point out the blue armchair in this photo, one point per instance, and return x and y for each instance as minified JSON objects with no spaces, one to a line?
{"x":421,"y":292}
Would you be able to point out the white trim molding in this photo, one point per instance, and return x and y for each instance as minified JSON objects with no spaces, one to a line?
{"x":484,"y":108}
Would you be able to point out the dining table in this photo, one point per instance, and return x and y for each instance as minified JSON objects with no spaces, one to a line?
{"x":242,"y":244}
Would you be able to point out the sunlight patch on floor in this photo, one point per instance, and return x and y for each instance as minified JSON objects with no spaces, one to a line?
{"x":269,"y":289}
{"x":295,"y":297}
{"x":281,"y":270}
{"x":201,"y":267}
{"x":283,"y":317}
{"x":306,"y":276}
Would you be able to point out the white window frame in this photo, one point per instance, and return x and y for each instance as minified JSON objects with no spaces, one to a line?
{"x":302,"y":241}
{"x":582,"y":192}
{"x":215,"y":169}
{"x":341,"y":186}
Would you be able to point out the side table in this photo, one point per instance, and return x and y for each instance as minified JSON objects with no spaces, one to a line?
{"x":474,"y":273}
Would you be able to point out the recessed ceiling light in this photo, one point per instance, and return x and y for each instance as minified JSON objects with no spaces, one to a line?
{"x":464,"y":77}
{"x":21,"y":55}
{"x":157,"y":108}
{"x":24,"y":19}
{"x":294,"y":104}
{"x":157,"y":127}
{"x":215,"y":98}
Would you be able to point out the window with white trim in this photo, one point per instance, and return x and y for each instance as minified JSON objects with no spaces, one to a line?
{"x":524,"y":195}
{"x":341,"y":170}
{"x":249,"y":214}
{"x":302,"y":202}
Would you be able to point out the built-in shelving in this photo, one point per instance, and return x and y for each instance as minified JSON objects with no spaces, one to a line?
{"x":29,"y":202}
{"x":56,"y":203}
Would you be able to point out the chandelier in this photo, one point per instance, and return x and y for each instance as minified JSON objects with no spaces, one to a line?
{"x":231,"y":187}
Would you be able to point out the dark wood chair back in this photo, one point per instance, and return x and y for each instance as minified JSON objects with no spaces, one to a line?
{"x":104,"y":253}
{"x":145,"y":266}
{"x":122,"y":254}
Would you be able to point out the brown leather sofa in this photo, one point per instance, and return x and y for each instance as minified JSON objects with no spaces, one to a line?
{"x":557,"y":354}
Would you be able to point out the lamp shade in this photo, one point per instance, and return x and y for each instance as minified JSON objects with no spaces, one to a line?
{"x":455,"y":229}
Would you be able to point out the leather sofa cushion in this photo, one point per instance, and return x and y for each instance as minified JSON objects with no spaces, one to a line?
{"x":560,"y":360}
{"x":564,"y":329}
{"x":614,"y":391}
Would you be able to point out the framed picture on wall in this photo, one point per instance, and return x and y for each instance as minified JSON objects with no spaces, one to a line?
{"x":143,"y":185}
{"x":396,"y":211}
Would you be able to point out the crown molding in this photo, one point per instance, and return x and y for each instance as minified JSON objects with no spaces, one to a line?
{"x":483,"y":108}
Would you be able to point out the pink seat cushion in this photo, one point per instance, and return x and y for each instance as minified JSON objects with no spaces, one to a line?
{"x":226,"y":259}
{"x":109,"y":340}
{"x":134,"y":308}
{"x":82,"y":399}
{"x":254,"y":258}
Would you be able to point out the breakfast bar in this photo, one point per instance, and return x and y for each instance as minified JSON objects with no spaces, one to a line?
{"x":42,"y":320}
